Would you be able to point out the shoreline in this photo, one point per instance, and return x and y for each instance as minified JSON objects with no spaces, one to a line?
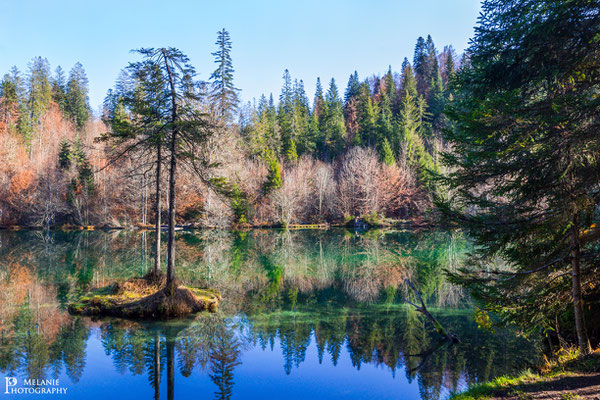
{"x":406,"y":224}
{"x":573,"y":379}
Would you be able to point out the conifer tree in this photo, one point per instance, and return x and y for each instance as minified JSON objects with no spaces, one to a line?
{"x":389,"y":87}
{"x":224,"y":94}
{"x":292,"y":154}
{"x":285,"y":111}
{"x":525,"y":160}
{"x":39,"y":89}
{"x":77,"y":102}
{"x":59,"y":89}
{"x":274,"y":180}
{"x":387,"y":153}
{"x":301,"y":120}
{"x":411,"y":140}
{"x":9,"y":100}
{"x":319,"y":102}
{"x":64,"y":155}
{"x":409,"y":83}
{"x":334,"y":128}
{"x":366,"y":118}
{"x":353,"y":88}
{"x":384,"y":125}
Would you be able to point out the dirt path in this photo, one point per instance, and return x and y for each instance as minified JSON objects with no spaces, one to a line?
{"x":566,"y":387}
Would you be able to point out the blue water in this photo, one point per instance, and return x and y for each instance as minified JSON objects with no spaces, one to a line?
{"x":305,"y":315}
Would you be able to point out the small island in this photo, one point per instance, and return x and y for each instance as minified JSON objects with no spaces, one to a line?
{"x":145,"y":298}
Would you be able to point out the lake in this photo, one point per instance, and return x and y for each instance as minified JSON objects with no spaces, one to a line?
{"x":305,"y":314}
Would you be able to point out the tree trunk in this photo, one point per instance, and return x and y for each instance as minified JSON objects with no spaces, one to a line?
{"x":171,"y":239}
{"x":582,"y":339}
{"x":170,"y":368}
{"x":157,"y":372}
{"x":170,"y":286}
{"x":158,"y":210}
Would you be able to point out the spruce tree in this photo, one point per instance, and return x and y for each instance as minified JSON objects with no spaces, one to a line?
{"x":39,"y":89}
{"x":366,"y":118}
{"x":77,"y":102}
{"x":525,"y":160}
{"x":409,"y":83}
{"x":285,"y":111}
{"x":59,"y":89}
{"x":224,"y":94}
{"x":353,"y":88}
{"x":411,"y":140}
{"x":9,"y":100}
{"x":334,"y":128}
{"x":387,"y":154}
{"x":301,"y":120}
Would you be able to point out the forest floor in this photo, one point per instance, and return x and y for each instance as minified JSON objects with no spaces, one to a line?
{"x":572,"y":379}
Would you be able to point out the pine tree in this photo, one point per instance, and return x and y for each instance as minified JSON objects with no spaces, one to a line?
{"x":366,"y":118}
{"x":317,"y":120}
{"x":64,"y":155}
{"x":224,"y":94}
{"x":409,"y":83}
{"x":274,"y":180}
{"x":285,"y":111}
{"x":437,"y":101}
{"x":301,"y":119}
{"x":9,"y":100}
{"x":353,"y":88}
{"x":292,"y":154}
{"x":77,"y":102}
{"x":39,"y":89}
{"x":411,"y":140}
{"x":387,"y":153}
{"x":319,"y":102}
{"x":525,"y":160}
{"x":421,"y":66}
{"x":384,"y":125}
{"x":389,"y":87}
{"x":334,"y":128}
{"x":59,"y":89}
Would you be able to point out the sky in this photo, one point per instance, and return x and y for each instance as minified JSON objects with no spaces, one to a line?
{"x":311,"y":38}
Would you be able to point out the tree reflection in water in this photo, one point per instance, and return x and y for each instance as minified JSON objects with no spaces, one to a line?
{"x":287,"y":292}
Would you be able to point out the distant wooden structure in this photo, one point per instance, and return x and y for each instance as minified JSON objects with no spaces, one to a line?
{"x":307,"y":226}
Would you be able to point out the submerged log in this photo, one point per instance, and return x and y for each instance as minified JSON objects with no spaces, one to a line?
{"x":423,"y":310}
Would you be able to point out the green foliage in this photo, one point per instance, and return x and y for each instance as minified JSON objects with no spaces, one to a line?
{"x":525,"y":159}
{"x":239,"y":204}
{"x":353,"y":88}
{"x":84,"y":170}
{"x":59,"y":89}
{"x":64,"y":155}
{"x":40,"y":91}
{"x":224,"y":94}
{"x":411,"y":141}
{"x":387,"y":153}
{"x":292,"y":154}
{"x":76,"y":101}
{"x":274,"y":180}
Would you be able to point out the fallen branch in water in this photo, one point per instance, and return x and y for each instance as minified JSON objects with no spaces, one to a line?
{"x":423,"y":310}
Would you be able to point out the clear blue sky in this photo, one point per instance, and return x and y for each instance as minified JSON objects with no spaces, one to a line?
{"x":311,"y":38}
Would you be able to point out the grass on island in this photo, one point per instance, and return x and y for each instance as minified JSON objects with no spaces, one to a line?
{"x":145,"y":298}
{"x":567,"y":377}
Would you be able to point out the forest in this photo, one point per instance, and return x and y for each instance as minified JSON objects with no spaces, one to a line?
{"x":500,"y":143}
{"x":366,"y":152}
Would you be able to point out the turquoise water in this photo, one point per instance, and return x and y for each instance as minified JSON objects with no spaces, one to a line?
{"x":306,"y":314}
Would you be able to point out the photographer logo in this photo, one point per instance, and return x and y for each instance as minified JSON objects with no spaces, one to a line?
{"x":34,"y":386}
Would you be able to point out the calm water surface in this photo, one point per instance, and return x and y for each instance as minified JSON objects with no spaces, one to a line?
{"x":306,"y":314}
